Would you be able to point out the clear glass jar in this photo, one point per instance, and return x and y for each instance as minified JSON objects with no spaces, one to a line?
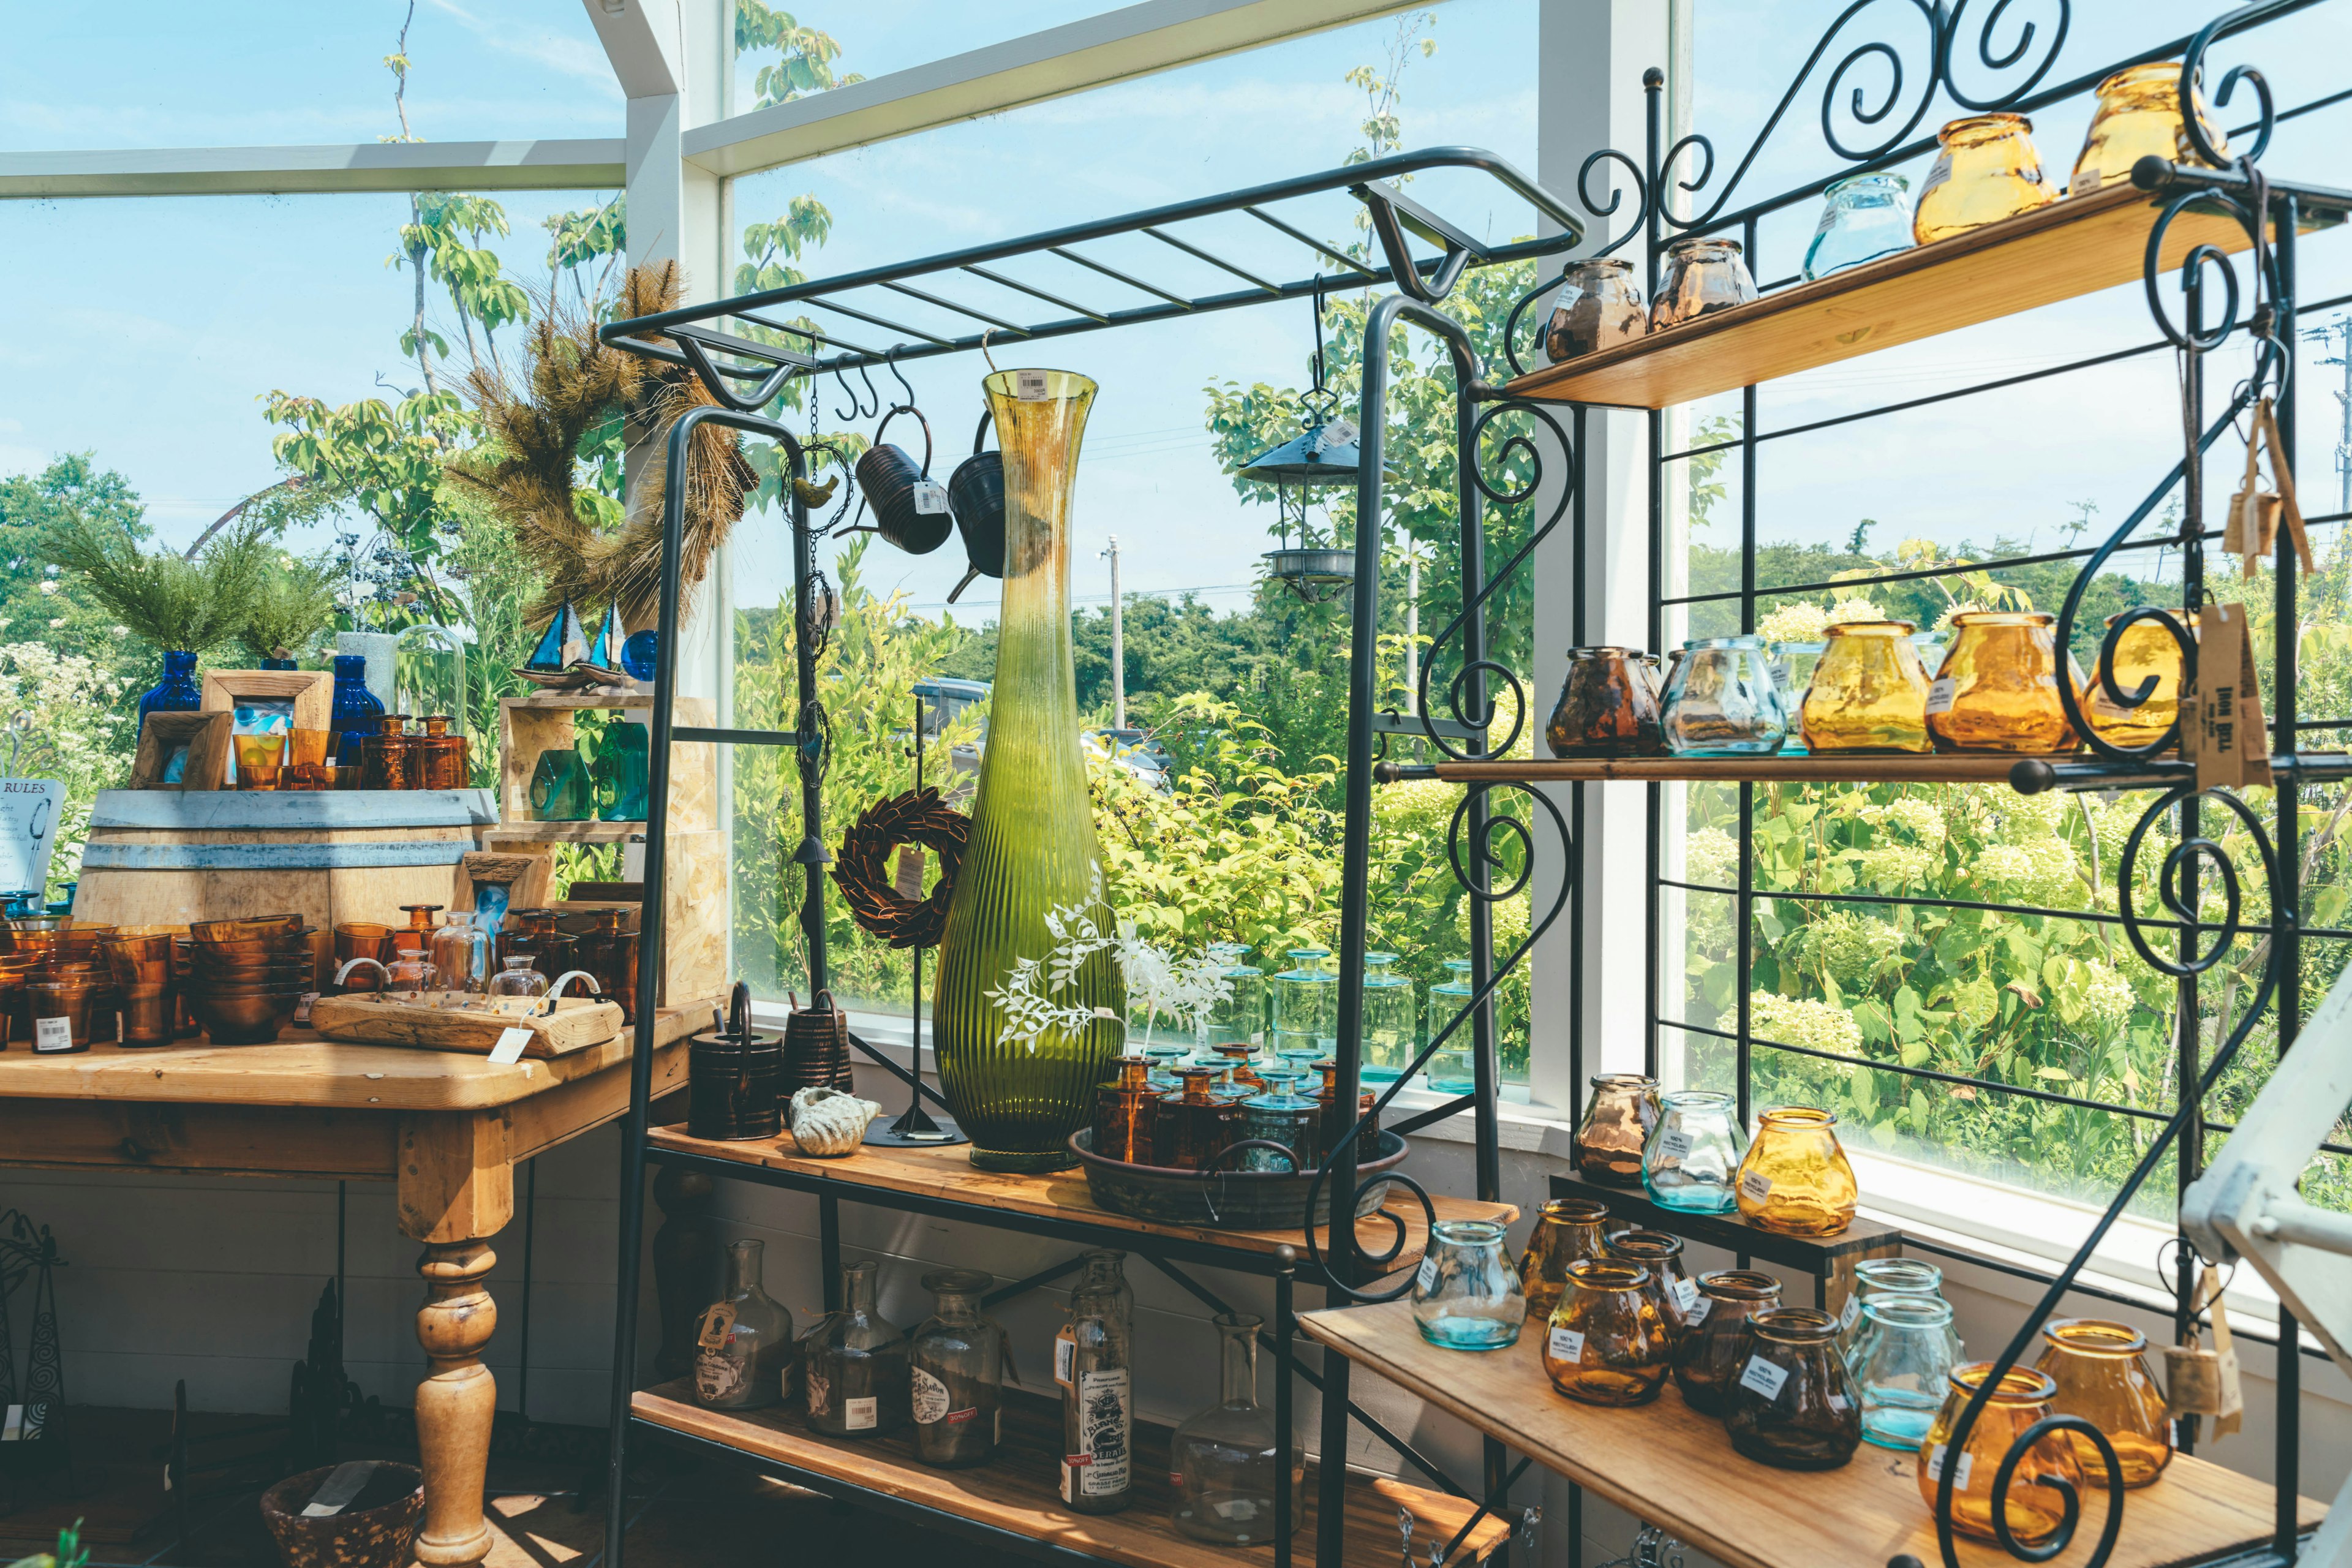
{"x":461,"y":956}
{"x":1567,"y":1230}
{"x":2138,"y":117}
{"x":743,"y":1346}
{"x":2147,"y":648}
{"x":956,"y":1373}
{"x":1987,"y":171}
{"x":1227,"y":1463}
{"x":1672,"y":1292}
{"x":1903,"y":1354}
{"x":1466,"y":1296}
{"x":2100,"y":1372}
{"x":1391,"y":1020}
{"x":1240,"y":1015}
{"x":1607,"y":706}
{"x":1701,"y":276}
{"x":2034,"y":1512}
{"x":1282,"y":1115}
{"x":1863,"y":218}
{"x":1597,"y":307}
{"x":1453,"y":1068}
{"x":1998,"y":688}
{"x":1869,"y":692}
{"x":1795,"y":1179}
{"x":1791,"y":1407}
{"x":1875,"y":1276}
{"x":1618,"y":1117}
{"x":1723,"y":701}
{"x":1305,"y":1004}
{"x":517,"y":978}
{"x":1708,"y":1358}
{"x":1123,"y":1112}
{"x":1603,"y":1343}
{"x":854,"y":1367}
{"x":1692,"y":1160}
{"x":1092,"y":1362}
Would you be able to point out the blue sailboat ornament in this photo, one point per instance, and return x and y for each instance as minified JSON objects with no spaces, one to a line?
{"x":564,"y":659}
{"x":605,"y":653}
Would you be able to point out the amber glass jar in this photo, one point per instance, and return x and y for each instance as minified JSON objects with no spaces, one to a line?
{"x":1795,"y":1179}
{"x":2035,"y":1511}
{"x":1987,"y":171}
{"x":603,"y":945}
{"x":1189,"y":1133}
{"x":1123,"y":1112}
{"x":443,"y":755}
{"x":1672,"y":1291}
{"x":536,"y":935}
{"x":1607,"y":707}
{"x":387,"y":757}
{"x":1869,"y":692}
{"x":2147,"y":648}
{"x":1708,"y":1359}
{"x":1618,"y":1117}
{"x":2100,"y":1375}
{"x":1567,"y":1230}
{"x":1997,"y":690}
{"x":2138,"y":117}
{"x":1791,"y":1406}
{"x":1604,"y":1344}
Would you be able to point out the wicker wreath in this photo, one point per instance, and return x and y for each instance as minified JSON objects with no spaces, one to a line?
{"x":862,"y":872}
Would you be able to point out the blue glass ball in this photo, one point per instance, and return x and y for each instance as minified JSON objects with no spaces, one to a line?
{"x":639,"y":653}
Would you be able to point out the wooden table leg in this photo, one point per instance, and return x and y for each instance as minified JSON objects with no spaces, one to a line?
{"x":457,"y":1190}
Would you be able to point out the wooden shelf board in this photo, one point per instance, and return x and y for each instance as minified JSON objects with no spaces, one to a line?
{"x":2068,"y":248}
{"x":948,"y":1175}
{"x":1816,"y":1254}
{"x":1676,"y":1469}
{"x":1802,"y":767}
{"x":1019,"y":1490}
{"x":562,"y":832}
{"x":560,"y":700}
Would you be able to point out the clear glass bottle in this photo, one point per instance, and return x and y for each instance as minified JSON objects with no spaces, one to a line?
{"x":2034,"y":1512}
{"x":2139,"y":116}
{"x":1869,"y":692}
{"x":1597,"y":307}
{"x":1723,"y":701}
{"x":1988,"y":170}
{"x":518,"y":980}
{"x":1391,"y":1021}
{"x":1466,"y":1296}
{"x":1875,"y":1277}
{"x":461,"y":956}
{"x":1903,"y":1354}
{"x":956,"y":1373}
{"x":1795,"y":1179}
{"x":1603,"y":1343}
{"x":1708,"y":1359}
{"x":854,"y":1362}
{"x":2101,"y":1374}
{"x":1863,"y":218}
{"x":1092,"y":1358}
{"x":1701,"y":276}
{"x":1567,"y":1230}
{"x":1306,"y":1005}
{"x":1242,"y":1015}
{"x":1793,"y":1407}
{"x":1673,"y":1292}
{"x":1998,"y":688}
{"x":743,"y":1347}
{"x":1123,"y":1112}
{"x":1618,"y":1118}
{"x":1227,"y":1462}
{"x":1692,"y":1160}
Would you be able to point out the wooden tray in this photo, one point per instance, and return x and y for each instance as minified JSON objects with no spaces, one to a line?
{"x":576,"y":1024}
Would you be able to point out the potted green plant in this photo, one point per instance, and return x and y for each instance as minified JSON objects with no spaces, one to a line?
{"x":293,"y":601}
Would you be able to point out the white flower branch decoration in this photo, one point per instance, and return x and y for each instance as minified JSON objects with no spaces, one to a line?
{"x":1039,"y":994}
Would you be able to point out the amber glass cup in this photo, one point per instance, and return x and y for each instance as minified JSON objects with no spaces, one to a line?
{"x":1566,"y":1230}
{"x":1708,"y":1359}
{"x":1997,"y":690}
{"x":306,"y":760}
{"x":2035,"y":1512}
{"x":1791,"y":1406}
{"x":1671,"y":1291}
{"x":1988,"y":171}
{"x":1795,"y":1179}
{"x":362,"y":939}
{"x":1604,"y":1343}
{"x":2138,"y":117}
{"x":75,"y":1000}
{"x":1869,"y":692}
{"x":1618,"y":1118}
{"x":2147,"y":648}
{"x":259,"y":760}
{"x":2100,"y":1375}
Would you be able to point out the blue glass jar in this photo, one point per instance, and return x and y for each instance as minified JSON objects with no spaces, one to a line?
{"x":1391,"y":1020}
{"x":1692,"y":1159}
{"x":1863,"y":218}
{"x":1306,"y":1006}
{"x":354,"y":710}
{"x":177,"y":692}
{"x":1468,"y":1296}
{"x":1903,"y":1356}
{"x":1723,"y":701}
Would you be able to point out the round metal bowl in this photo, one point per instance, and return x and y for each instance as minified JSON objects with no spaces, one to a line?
{"x":1224,"y":1200}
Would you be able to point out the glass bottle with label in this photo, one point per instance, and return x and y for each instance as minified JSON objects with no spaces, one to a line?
{"x":1901,"y":1359}
{"x":1092,"y":1367}
{"x":1618,"y":1118}
{"x":2100,"y":1374}
{"x":1566,"y":1230}
{"x":1708,"y":1359}
{"x":1875,"y":1276}
{"x":1603,"y":1343}
{"x":956,"y":1373}
{"x":1123,"y":1110}
{"x":1693,"y":1151}
{"x":1795,"y":1178}
{"x":1672,"y":1292}
{"x":1227,"y":1463}
{"x":1791,"y":1407}
{"x":2047,"y":1476}
{"x":854,"y":1363}
{"x":743,"y":1345}
{"x":1466,"y":1295}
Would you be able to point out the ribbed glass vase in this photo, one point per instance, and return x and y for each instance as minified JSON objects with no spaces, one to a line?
{"x":1033,"y":846}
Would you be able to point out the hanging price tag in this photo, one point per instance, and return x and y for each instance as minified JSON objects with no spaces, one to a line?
{"x":1029,"y":385}
{"x":1065,"y":1351}
{"x":509,"y":1050}
{"x":907,"y":877}
{"x":931,"y":499}
{"x":2230,"y":741}
{"x":1764,"y":1377}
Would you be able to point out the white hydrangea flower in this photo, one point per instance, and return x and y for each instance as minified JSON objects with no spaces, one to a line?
{"x":2109,"y":998}
{"x":1710,"y":856}
{"x":2005,"y":863}
{"x":1919,"y":817}
{"x":1894,"y":865}
{"x":1854,"y":608}
{"x":1799,"y":620}
{"x":1804,"y":1021}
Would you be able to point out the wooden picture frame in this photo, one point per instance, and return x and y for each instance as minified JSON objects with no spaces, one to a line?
{"x":306,"y":696}
{"x":202,"y":736}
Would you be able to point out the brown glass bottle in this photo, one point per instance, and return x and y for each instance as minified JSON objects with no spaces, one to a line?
{"x":1190,"y":1132}
{"x":1617,"y":1123}
{"x":387,"y":757}
{"x":1567,"y":1229}
{"x":1707,"y":1360}
{"x":1123,"y":1112}
{"x":1672,"y":1292}
{"x":1603,"y":1343}
{"x":534,"y":934}
{"x":416,"y":936}
{"x":1789,"y":1405}
{"x":443,"y":754}
{"x":605,"y":946}
{"x":1335,"y":1121}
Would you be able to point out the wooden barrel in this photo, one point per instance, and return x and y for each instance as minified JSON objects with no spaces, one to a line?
{"x":169,"y":856}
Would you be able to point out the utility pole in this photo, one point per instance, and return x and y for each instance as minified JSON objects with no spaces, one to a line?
{"x":2340,"y":331}
{"x":1411,"y":625}
{"x":1117,"y":640}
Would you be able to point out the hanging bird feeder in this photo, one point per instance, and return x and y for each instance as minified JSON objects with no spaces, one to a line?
{"x":1326,"y":452}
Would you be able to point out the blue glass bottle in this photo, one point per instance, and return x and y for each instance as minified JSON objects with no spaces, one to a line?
{"x":354,"y":712}
{"x":177,"y":692}
{"x":621,"y":759}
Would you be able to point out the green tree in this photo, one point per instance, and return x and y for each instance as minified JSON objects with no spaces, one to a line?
{"x":805,"y":56}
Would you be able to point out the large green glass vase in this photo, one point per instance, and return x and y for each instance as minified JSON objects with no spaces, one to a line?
{"x":1032,"y":848}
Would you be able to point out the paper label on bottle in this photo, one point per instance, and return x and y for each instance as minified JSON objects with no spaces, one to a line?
{"x":1763,"y":1377}
{"x":52,"y":1033}
{"x":509,"y":1050}
{"x":1105,"y":1423}
{"x":1852,"y":1310}
{"x":1564,"y":1345}
{"x":302,"y":1008}
{"x":1754,"y":1186}
{"x":932,"y":1399}
{"x":335,"y":1494}
{"x":1065,"y":1349}
{"x":718,"y":1375}
{"x":1685,"y":1295}
{"x":1781,"y":680}
{"x":861,"y":1414}
{"x":1960,"y":1471}
{"x":1673,"y":1145}
{"x":1697,"y":1312}
{"x":931,"y":499}
{"x":1425,"y":1279}
{"x":1939,"y":693}
{"x":1029,"y":385}
{"x":958,"y":1417}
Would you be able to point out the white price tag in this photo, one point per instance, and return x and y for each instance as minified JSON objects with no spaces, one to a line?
{"x":1960,"y":1475}
{"x":302,"y":1008}
{"x":1029,"y":385}
{"x":1425,"y":1281}
{"x":1852,"y":1310}
{"x":1565,"y":1344}
{"x":1754,"y":1186}
{"x":1698,"y":1309}
{"x":931,"y":499}
{"x":1764,"y":1377}
{"x":1783,"y":681}
{"x":1685,"y":1295}
{"x":52,"y":1033}
{"x":509,"y":1050}
{"x":861,"y":1414}
{"x":1939,"y":693}
{"x":1673,"y":1145}
{"x":1065,"y":1351}
{"x":335,"y":1494}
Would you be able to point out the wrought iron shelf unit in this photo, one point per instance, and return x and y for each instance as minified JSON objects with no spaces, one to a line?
{"x":1800,"y":768}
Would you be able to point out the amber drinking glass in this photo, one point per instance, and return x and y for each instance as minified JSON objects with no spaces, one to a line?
{"x":1598,"y":306}
{"x":1618,"y":1117}
{"x":1700,"y":278}
{"x":1673,"y":1292}
{"x":2100,"y":1375}
{"x":1869,"y":692}
{"x":1567,"y":1231}
{"x":306,"y":760}
{"x":2035,"y":1511}
{"x":1604,"y":1343}
{"x":2138,"y":116}
{"x":1795,"y":1179}
{"x":362,"y":939}
{"x":1791,"y":1406}
{"x":1607,"y":707}
{"x":259,"y":758}
{"x":1997,"y":690}
{"x":2147,"y":648}
{"x":1708,"y":1358}
{"x":1987,"y":171}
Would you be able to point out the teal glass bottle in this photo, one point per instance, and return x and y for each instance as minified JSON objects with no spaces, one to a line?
{"x":1391,"y":1020}
{"x":621,"y":758}
{"x":561,"y":790}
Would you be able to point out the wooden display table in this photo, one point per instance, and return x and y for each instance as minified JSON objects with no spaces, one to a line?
{"x":447,"y":1128}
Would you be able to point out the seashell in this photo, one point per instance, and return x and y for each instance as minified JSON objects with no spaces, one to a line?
{"x":826,"y":1122}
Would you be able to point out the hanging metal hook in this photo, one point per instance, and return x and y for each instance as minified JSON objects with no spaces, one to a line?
{"x":890,"y":362}
{"x":857,"y":409}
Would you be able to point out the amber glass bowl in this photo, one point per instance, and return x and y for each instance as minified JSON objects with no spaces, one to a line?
{"x":1707,"y":1360}
{"x":1618,"y":1117}
{"x":1604,"y":1343}
{"x":2147,"y":648}
{"x":2034,"y":1512}
{"x":2100,"y":1374}
{"x":1790,"y":1405}
{"x":1988,"y":171}
{"x":2138,"y":117}
{"x":1869,"y":692}
{"x":1795,"y":1179}
{"x":1566,"y":1230}
{"x":1997,"y":690}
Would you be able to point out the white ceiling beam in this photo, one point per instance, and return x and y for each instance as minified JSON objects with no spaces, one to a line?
{"x":577,"y":163}
{"x":642,"y":43}
{"x":1135,"y":40}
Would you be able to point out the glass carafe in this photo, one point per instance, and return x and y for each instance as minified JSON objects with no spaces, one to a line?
{"x":1123,"y":1112}
{"x":461,"y":955}
{"x":743,"y":1347}
{"x":1722,"y":700}
{"x":1795,"y":1179}
{"x":1227,"y":1462}
{"x":1869,"y":692}
{"x":2034,"y":1512}
{"x":1708,"y":1359}
{"x":1791,"y":1406}
{"x":1618,"y":1117}
{"x":1391,"y":1021}
{"x":1902,"y":1357}
{"x":1306,"y":1005}
{"x":854,"y":1363}
{"x":1240,"y":1015}
{"x":1692,"y":1160}
{"x":1875,"y":1277}
{"x":1567,"y":1230}
{"x":956,"y":1373}
{"x":1092,"y":1363}
{"x":2139,"y":117}
{"x":1998,"y":688}
{"x":1863,"y":218}
{"x":1988,"y":171}
{"x":2147,"y":648}
{"x":517,"y":981}
{"x":2100,"y":1375}
{"x":1603,"y":1343}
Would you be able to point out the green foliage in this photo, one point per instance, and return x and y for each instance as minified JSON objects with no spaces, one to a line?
{"x":70,"y":1552}
{"x":805,"y":56}
{"x":293,"y":602}
{"x":164,"y":600}
{"x":578,"y":240}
